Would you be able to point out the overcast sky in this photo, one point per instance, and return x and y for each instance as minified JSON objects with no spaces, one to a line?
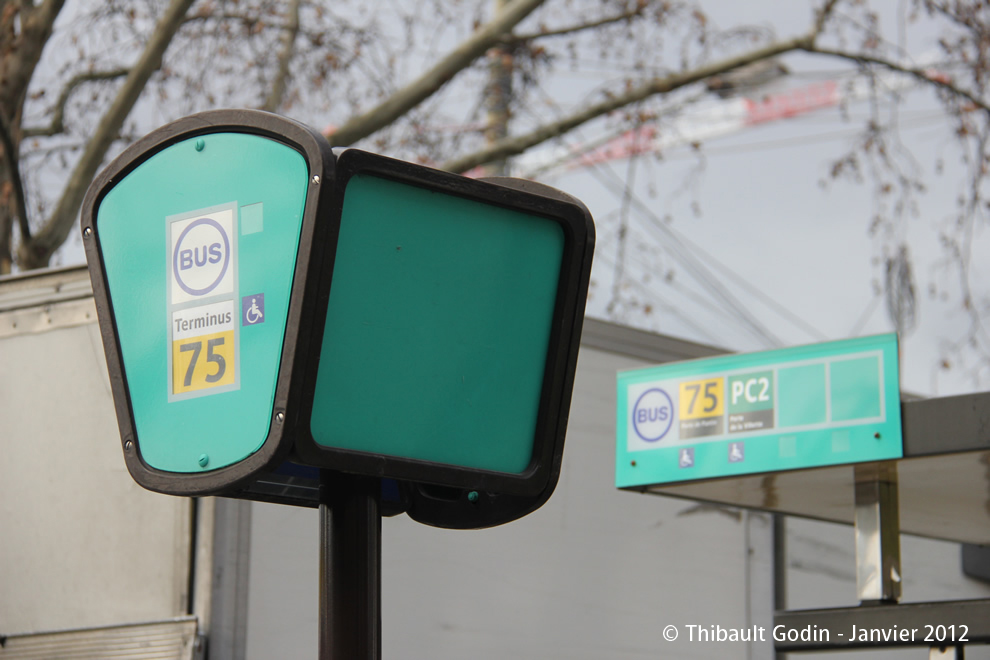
{"x":754,"y":203}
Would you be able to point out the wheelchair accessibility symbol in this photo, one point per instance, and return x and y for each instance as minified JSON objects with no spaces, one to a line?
{"x":253,"y":309}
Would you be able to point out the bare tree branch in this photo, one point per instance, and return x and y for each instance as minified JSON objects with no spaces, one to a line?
{"x":516,"y":145}
{"x":247,"y":19}
{"x":288,"y":39}
{"x":823,"y":14}
{"x":57,"y":124}
{"x":37,"y":252}
{"x":926,"y":75}
{"x":11,"y":158}
{"x":423,"y":87}
{"x":17,"y":70}
{"x":510,"y":39}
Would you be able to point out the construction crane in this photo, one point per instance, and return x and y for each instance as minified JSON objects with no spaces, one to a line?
{"x":736,"y":108}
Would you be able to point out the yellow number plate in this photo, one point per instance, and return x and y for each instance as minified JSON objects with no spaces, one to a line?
{"x":702,"y":398}
{"x":203,"y":361}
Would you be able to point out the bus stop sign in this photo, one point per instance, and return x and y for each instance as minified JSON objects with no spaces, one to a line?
{"x":266,"y":303}
{"x":199,"y":239}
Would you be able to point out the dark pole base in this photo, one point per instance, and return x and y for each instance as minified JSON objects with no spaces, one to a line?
{"x":350,"y":567}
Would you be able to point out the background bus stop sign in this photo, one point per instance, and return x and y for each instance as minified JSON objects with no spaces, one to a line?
{"x":832,"y":403}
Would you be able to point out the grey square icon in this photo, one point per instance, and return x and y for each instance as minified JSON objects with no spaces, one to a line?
{"x":737,"y":452}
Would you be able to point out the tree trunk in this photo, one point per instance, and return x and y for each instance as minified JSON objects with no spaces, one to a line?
{"x":498,"y":99}
{"x":24,"y":31}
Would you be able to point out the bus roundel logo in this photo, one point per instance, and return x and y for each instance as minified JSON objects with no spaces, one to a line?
{"x":201,"y":256}
{"x":653,"y":415}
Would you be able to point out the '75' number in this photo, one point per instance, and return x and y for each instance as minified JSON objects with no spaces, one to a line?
{"x":701,"y":398}
{"x":197,"y":347}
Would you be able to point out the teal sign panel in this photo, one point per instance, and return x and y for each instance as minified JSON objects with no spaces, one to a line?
{"x":809,"y":406}
{"x":199,"y":247}
{"x":438,"y":327}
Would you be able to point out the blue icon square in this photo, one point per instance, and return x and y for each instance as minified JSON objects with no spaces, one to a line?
{"x":737,"y":452}
{"x":253,"y":309}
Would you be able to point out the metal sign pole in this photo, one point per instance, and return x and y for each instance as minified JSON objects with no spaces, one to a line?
{"x":878,"y":533}
{"x":350,"y":567}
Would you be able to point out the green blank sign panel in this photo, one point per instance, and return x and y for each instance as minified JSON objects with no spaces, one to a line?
{"x":199,"y":245}
{"x":808,"y":406}
{"x":801,"y":395}
{"x":438,"y":328}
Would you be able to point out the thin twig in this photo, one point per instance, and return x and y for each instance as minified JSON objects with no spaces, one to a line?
{"x":823,"y":15}
{"x":511,"y":39}
{"x":925,"y":75}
